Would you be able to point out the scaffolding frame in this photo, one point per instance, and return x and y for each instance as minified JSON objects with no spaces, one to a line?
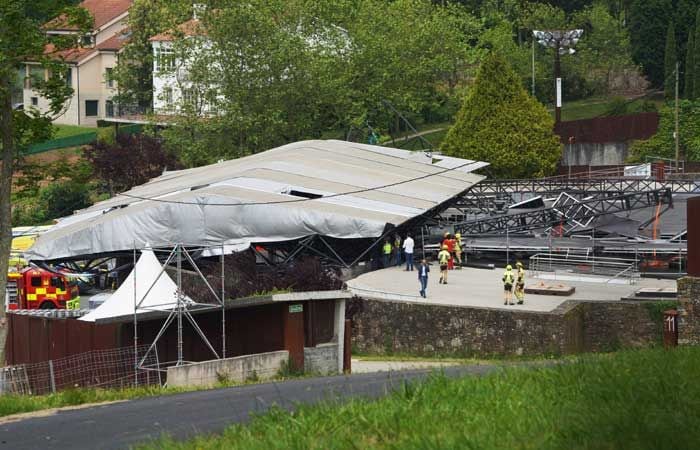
{"x":182,"y":310}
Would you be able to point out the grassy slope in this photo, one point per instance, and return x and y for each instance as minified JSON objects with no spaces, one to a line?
{"x":70,"y":130}
{"x":631,"y":400}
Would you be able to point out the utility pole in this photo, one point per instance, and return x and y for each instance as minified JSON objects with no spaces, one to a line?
{"x":676,"y":134}
{"x":557,"y":80}
{"x":533,"y":67}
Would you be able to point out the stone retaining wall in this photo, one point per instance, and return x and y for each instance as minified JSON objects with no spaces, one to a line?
{"x":385,"y":327}
{"x":689,"y":310}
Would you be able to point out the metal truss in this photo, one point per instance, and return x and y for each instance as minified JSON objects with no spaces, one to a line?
{"x":586,"y":186}
{"x":566,"y":210}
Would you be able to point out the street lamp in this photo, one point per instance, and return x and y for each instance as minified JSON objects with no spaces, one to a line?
{"x":562,"y":41}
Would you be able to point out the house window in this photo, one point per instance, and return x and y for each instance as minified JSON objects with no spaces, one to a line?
{"x":165,"y":60}
{"x":36,"y":281}
{"x":35,"y":101}
{"x":109,"y":77}
{"x":69,"y":77}
{"x":91,"y":107}
{"x":189,"y":96}
{"x":87,"y":41}
{"x":168,"y":96}
{"x":36,"y":74}
{"x":109,"y":108}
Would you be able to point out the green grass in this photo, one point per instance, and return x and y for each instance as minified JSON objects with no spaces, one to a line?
{"x":646,"y":399}
{"x":15,"y":404}
{"x":594,"y":107}
{"x":70,"y":130}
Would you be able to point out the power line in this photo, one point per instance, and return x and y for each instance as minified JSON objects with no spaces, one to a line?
{"x":300,"y":200}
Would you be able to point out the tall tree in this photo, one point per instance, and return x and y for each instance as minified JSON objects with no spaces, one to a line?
{"x":696,"y":57}
{"x":689,"y":78}
{"x":670,"y":60}
{"x":22,"y":39}
{"x":648,"y":20}
{"x":502,"y":124}
{"x":134,"y":72}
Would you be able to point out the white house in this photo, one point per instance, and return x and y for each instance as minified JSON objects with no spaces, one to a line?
{"x":171,"y":86}
{"x":90,"y":65}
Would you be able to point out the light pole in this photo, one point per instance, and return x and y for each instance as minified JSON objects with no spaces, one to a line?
{"x":562,"y":42}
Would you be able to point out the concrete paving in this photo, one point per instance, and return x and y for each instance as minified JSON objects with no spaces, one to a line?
{"x":483,"y":288}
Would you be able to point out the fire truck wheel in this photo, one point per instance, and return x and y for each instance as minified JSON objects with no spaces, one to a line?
{"x":47,"y":305}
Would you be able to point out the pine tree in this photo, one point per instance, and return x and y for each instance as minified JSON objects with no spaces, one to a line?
{"x":689,"y":89}
{"x":502,"y":124}
{"x":670,"y":59}
{"x":696,"y":58}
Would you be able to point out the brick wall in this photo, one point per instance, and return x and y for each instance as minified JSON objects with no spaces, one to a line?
{"x":322,"y":359}
{"x":689,"y":310}
{"x":384,"y":327}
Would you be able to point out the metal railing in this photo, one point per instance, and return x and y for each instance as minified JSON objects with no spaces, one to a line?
{"x":604,"y":269}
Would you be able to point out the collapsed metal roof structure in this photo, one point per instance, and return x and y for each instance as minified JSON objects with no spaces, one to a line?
{"x":328,"y":189}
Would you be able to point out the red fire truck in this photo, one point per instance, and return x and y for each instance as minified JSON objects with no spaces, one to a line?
{"x":35,"y":288}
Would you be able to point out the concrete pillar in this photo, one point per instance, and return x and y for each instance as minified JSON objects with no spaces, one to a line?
{"x":339,"y":330}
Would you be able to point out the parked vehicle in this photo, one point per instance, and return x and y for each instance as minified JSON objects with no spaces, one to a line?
{"x":35,"y":288}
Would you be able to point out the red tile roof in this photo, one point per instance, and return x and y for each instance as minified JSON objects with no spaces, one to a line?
{"x":103,"y":12}
{"x":192,"y":27}
{"x":115,"y":43}
{"x":71,"y":55}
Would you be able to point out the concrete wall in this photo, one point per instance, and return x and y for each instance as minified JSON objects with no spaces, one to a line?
{"x":209,"y":373}
{"x":321,"y":359}
{"x":385,"y":327}
{"x":584,"y":154}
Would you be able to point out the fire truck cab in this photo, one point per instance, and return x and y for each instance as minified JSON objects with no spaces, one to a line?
{"x":34,"y":288}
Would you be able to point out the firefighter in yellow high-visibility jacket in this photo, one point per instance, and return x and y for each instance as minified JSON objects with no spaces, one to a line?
{"x":444,"y":259}
{"x":520,"y":283}
{"x":508,"y":279}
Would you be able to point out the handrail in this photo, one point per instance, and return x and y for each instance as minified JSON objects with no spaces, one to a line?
{"x":612,"y":268}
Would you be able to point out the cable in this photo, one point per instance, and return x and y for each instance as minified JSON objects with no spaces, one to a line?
{"x":359,"y":191}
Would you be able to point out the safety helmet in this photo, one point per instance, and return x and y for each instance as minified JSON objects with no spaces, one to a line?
{"x":444,"y":247}
{"x":509,"y":267}
{"x":519,"y":264}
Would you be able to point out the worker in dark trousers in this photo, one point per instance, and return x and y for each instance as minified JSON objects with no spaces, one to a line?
{"x":423,"y":271}
{"x":386,"y":253}
{"x":520,"y":283}
{"x":398,"y":250}
{"x":508,"y":279}
{"x":443,"y":259}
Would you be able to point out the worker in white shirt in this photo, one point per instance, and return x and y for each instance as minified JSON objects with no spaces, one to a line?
{"x":408,"y":245}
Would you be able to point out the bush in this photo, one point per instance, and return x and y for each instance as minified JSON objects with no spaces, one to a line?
{"x":129,"y":161}
{"x":502,"y":124}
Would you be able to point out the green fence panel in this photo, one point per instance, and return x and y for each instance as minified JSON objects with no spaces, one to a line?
{"x":69,"y":141}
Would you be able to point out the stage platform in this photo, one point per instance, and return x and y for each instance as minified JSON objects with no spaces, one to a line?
{"x":483,"y":289}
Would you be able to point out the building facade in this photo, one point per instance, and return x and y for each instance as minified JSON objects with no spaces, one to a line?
{"x":90,"y":66}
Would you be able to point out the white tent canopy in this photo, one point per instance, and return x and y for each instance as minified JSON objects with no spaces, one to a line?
{"x":330,"y":188}
{"x":145,"y":276}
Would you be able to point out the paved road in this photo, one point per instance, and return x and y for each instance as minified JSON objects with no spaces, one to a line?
{"x":121,"y":425}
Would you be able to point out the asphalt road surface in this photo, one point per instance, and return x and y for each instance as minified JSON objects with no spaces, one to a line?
{"x":124,"y":424}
